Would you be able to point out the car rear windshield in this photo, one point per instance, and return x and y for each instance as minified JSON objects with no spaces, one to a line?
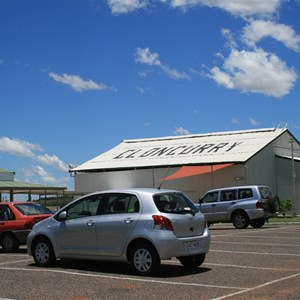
{"x":175,"y":203}
{"x":265,"y":192}
{"x":32,"y":209}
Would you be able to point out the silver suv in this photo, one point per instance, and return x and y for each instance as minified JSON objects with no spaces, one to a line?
{"x":138,"y":226}
{"x":241,"y":205}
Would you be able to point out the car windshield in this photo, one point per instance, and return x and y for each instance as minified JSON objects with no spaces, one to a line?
{"x":265,"y":192}
{"x":32,"y":209}
{"x":175,"y":203}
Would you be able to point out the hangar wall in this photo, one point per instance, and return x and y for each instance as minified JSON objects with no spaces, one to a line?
{"x":194,"y":186}
{"x":270,"y":165}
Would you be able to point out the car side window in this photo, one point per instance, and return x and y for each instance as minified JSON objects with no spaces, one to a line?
{"x":245,"y":193}
{"x":120,"y":203}
{"x":210,"y":197}
{"x":86,"y":207}
{"x":228,"y":195}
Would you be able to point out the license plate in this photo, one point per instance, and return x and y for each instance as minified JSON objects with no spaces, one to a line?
{"x":193,"y":245}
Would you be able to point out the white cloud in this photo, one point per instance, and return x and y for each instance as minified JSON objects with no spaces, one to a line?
{"x":146,"y":57}
{"x":18,"y":147}
{"x":26,"y":149}
{"x":39,"y":174}
{"x":126,"y":6}
{"x":77,"y":83}
{"x":181,"y":131}
{"x":227,"y":34}
{"x":254,"y":122}
{"x":42,"y":174}
{"x":53,"y":161}
{"x":234,"y":121}
{"x":259,"y":29}
{"x":255,"y":72}
{"x":241,"y":8}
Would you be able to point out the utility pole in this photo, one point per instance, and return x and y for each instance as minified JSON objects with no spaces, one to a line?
{"x":291,"y":141}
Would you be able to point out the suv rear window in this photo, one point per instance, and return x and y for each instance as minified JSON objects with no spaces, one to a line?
{"x":175,"y":203}
{"x":265,"y":192}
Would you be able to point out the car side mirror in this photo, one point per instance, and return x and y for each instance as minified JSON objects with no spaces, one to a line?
{"x":62,"y":216}
{"x":200,"y":201}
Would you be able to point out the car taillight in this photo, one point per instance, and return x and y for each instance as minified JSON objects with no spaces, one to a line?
{"x":259,"y":204}
{"x":161,"y":222}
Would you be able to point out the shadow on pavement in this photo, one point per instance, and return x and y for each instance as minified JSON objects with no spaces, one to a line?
{"x":118,"y":268}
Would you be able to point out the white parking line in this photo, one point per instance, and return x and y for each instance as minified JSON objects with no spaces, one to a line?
{"x":260,"y":244}
{"x":249,"y":267}
{"x":256,"y":287}
{"x":123,"y":278}
{"x":256,"y":236}
{"x":15,"y":261}
{"x":255,"y":253}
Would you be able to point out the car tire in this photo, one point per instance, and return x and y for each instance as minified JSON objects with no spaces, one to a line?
{"x":257,"y":223}
{"x":43,"y":253}
{"x":9,"y":243}
{"x":144,"y":259}
{"x":240,"y":220}
{"x":192,"y":261}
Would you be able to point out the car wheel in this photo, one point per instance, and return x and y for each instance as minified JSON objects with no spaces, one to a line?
{"x":144,"y":259}
{"x":257,"y":223}
{"x":10,"y":243}
{"x":192,"y":261}
{"x":240,"y":220}
{"x":43,"y":253}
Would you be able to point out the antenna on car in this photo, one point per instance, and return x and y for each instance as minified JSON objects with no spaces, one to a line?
{"x":163,"y":180}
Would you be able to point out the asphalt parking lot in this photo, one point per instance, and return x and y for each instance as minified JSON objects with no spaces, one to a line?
{"x":242,"y":264}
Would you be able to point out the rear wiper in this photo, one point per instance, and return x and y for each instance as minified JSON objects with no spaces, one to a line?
{"x":186,"y":211}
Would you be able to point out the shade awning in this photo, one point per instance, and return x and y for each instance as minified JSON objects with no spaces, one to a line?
{"x":186,"y":171}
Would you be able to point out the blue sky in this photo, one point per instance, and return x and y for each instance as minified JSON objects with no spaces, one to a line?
{"x":79,"y":76}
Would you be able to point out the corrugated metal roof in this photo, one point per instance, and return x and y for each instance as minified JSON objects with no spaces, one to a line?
{"x":34,"y":188}
{"x":211,"y":148}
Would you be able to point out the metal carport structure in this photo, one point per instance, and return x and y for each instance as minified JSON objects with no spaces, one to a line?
{"x":11,"y":187}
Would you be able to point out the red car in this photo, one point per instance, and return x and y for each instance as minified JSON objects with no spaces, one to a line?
{"x":16,"y":221}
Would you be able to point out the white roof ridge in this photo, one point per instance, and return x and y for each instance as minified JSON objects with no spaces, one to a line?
{"x":197,"y":135}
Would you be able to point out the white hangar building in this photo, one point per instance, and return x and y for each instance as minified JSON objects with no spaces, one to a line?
{"x":199,"y":162}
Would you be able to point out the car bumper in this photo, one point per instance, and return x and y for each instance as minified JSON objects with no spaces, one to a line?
{"x":171,"y":246}
{"x":259,"y":214}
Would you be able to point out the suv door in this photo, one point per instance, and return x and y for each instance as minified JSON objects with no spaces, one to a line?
{"x":208,"y":205}
{"x":118,"y":217}
{"x":225,"y":205}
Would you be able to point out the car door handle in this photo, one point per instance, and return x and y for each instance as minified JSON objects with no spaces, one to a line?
{"x":128,"y":221}
{"x":2,"y":223}
{"x":214,"y":205}
{"x":232,"y":203}
{"x":90,"y":223}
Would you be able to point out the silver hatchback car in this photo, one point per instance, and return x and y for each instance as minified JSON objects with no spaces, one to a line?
{"x":138,"y":226}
